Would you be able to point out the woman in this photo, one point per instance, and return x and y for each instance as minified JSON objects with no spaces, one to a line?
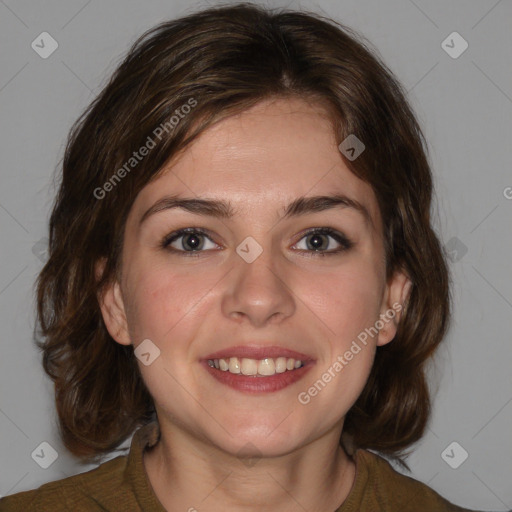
{"x":243,"y":271}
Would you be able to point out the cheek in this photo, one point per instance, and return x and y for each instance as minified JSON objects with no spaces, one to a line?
{"x":348,"y":303}
{"x":166,"y":304}
{"x":351,"y":309}
{"x":347,"y":300}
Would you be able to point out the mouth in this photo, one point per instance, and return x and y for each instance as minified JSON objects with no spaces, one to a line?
{"x":256,"y":369}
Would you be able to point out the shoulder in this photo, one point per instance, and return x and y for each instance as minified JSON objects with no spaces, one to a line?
{"x":385,"y":489}
{"x":83,"y":492}
{"x":118,"y":484}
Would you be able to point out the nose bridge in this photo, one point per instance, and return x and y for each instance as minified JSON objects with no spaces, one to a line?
{"x":257,"y":289}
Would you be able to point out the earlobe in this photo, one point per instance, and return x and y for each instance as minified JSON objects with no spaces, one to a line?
{"x":394,"y":301}
{"x":111,"y":303}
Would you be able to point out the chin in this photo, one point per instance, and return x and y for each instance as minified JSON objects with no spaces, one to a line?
{"x":258,"y":441}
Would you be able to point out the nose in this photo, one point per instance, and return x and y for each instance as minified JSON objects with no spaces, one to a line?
{"x":258,"y":292}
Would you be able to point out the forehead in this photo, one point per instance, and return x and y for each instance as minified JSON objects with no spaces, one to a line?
{"x":260,"y":160}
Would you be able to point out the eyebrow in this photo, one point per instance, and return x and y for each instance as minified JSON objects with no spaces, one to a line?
{"x":224,"y":209}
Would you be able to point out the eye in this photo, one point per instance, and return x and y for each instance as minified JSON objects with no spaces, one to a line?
{"x":192,"y":241}
{"x":317,"y":241}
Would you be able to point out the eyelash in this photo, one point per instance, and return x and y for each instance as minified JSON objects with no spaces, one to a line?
{"x":345,"y":243}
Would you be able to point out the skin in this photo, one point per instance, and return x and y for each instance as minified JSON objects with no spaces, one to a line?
{"x":190,"y":307}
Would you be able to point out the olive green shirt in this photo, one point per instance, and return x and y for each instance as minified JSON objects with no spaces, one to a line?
{"x":121,"y":484}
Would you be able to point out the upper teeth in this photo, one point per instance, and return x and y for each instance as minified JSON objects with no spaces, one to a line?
{"x":264,"y":367}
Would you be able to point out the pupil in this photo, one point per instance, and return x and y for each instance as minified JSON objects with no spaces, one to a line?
{"x":316,"y":241}
{"x":193,"y":241}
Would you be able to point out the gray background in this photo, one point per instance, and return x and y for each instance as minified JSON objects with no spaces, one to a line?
{"x":465,"y":107}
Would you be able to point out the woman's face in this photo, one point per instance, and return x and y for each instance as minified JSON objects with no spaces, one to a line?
{"x":255,"y":284}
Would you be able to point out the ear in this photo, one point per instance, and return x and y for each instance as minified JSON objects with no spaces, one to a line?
{"x":394,"y":300}
{"x":112,"y":307}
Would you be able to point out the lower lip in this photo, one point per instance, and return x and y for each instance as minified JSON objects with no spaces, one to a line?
{"x":255,"y":384}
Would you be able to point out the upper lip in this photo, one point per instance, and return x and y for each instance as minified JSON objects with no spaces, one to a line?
{"x":258,"y":352}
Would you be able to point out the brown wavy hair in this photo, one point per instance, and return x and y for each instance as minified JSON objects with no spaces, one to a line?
{"x":227,"y":59}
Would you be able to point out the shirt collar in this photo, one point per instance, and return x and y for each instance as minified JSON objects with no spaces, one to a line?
{"x":148,"y":435}
{"x":135,"y":473}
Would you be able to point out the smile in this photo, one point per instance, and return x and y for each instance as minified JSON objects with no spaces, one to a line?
{"x":255,"y":367}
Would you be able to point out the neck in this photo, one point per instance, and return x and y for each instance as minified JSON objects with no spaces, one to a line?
{"x":188,"y":474}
